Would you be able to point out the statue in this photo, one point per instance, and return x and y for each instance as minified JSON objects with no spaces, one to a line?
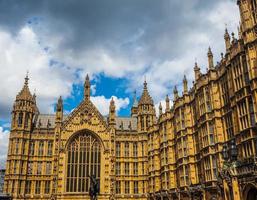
{"x":94,"y":187}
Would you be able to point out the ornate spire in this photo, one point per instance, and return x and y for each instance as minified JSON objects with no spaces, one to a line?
{"x":210,"y":58}
{"x":167,"y":103}
{"x":59,"y":106}
{"x":197,"y":71}
{"x":227,"y":39}
{"x":145,"y":97}
{"x":175,"y":92}
{"x":134,"y":108}
{"x":112,"y":112}
{"x":135,"y":102}
{"x":160,"y":109}
{"x":25,"y":94}
{"x":112,"y":105}
{"x":185,"y":84}
{"x":87,"y":88}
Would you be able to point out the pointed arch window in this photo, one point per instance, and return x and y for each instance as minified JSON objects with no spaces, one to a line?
{"x":20,"y":119}
{"x":26,"y":120}
{"x":83,"y":160}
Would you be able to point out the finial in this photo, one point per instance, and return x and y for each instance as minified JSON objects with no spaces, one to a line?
{"x":233,"y":35}
{"x":87,"y":88}
{"x":167,"y":98}
{"x":135,"y":103}
{"x":185,"y":78}
{"x":226,"y":35}
{"x":112,"y":112}
{"x":197,"y":71}
{"x":185,"y":84}
{"x":145,"y":84}
{"x":209,"y":50}
{"x":27,"y":78}
{"x":112,"y":105}
{"x":175,"y":90}
{"x":210,"y":58}
{"x":59,"y":104}
{"x":227,"y":39}
{"x":60,"y":99}
{"x":196,"y":65}
{"x":167,"y":103}
{"x":160,"y":108}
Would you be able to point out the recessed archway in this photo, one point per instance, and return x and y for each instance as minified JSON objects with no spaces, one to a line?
{"x":83,"y":160}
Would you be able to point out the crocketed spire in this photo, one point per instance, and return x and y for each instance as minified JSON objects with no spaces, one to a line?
{"x":112,"y":113}
{"x":227,"y":39}
{"x":25,"y":94}
{"x":145,"y":97}
{"x":87,"y":88}
{"x":135,"y":102}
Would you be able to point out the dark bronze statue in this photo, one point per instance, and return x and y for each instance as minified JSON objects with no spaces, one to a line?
{"x":94,"y":188}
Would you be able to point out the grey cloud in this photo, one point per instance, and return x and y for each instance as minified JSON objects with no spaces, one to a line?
{"x":144,"y":34}
{"x":84,"y":24}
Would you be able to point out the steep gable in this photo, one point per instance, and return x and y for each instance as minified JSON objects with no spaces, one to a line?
{"x":86,"y":112}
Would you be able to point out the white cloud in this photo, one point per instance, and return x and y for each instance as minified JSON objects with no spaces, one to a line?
{"x":22,"y":52}
{"x":4,"y":140}
{"x":102,"y":103}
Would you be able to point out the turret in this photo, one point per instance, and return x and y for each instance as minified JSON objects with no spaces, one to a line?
{"x":24,"y":108}
{"x":227,"y":40}
{"x":112,"y":112}
{"x":175,"y":92}
{"x":87,"y":88}
{"x":185,"y":85}
{"x":210,"y":58}
{"x":167,"y":104}
{"x":197,"y":71}
{"x":146,"y":110}
{"x":134,"y":108}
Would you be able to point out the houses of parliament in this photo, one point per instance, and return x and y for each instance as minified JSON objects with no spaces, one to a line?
{"x":202,"y":147}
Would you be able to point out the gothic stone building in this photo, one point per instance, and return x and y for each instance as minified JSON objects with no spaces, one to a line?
{"x":202,"y":147}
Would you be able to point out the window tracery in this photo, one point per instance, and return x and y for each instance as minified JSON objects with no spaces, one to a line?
{"x":83,"y":160}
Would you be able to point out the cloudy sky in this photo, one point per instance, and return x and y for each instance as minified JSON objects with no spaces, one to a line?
{"x":116,"y":42}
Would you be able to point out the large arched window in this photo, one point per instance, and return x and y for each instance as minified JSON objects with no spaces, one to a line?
{"x":84,"y":155}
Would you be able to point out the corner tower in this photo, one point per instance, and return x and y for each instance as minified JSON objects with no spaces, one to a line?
{"x":23,"y":116}
{"x":24,"y":108}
